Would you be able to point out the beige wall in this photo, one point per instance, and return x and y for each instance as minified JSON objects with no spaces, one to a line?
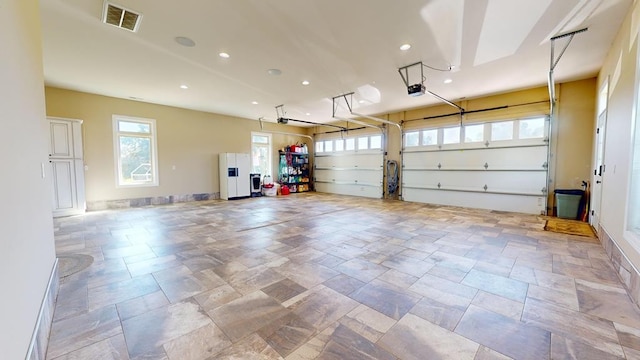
{"x":189,"y":140}
{"x":572,"y":134}
{"x":27,"y":252}
{"x":575,"y":131}
{"x":621,"y":115}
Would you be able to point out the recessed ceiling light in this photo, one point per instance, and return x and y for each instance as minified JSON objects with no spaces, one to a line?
{"x":405,"y":47}
{"x":224,"y":55}
{"x":254,"y":102}
{"x":305,"y":82}
{"x":448,"y":81}
{"x":361,"y":101}
{"x":184,"y":87}
{"x":274,"y":72}
{"x":185,"y":41}
{"x":308,"y":114}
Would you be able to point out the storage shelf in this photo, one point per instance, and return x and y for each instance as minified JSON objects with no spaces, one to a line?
{"x":294,"y":171}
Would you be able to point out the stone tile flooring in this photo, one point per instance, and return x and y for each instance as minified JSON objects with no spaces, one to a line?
{"x":314,"y":276}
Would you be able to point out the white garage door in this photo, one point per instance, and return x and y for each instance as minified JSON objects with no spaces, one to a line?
{"x":499,"y":165}
{"x":350,"y":166}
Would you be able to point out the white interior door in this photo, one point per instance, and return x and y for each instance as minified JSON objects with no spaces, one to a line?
{"x":598,"y":172}
{"x":67,"y":167}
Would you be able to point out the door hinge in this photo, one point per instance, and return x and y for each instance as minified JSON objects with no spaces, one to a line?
{"x":592,"y":212}
{"x":598,"y":131}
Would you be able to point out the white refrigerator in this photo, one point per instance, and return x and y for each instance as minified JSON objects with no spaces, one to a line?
{"x":234,"y":176}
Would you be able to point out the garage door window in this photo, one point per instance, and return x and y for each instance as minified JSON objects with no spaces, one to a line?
{"x":474,"y":133}
{"x":451,"y":135}
{"x":339,"y":145}
{"x":350,"y":144}
{"x":501,"y":131}
{"x":411,"y":138}
{"x":531,"y":128}
{"x":320,"y":146}
{"x":363,"y":143}
{"x":429,"y":137}
{"x":376,"y":142}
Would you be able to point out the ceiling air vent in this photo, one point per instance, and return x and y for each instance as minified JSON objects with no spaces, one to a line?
{"x":118,"y":16}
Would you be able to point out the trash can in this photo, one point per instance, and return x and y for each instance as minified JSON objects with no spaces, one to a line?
{"x":568,"y":203}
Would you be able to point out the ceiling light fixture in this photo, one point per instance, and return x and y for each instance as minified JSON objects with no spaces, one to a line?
{"x":447,"y":81}
{"x":185,"y":41}
{"x":405,"y":47}
{"x":361,"y":101}
{"x":305,"y":82}
{"x":308,"y":114}
{"x":254,"y":102}
{"x":274,"y":72}
{"x":224,"y":55}
{"x":184,"y":87}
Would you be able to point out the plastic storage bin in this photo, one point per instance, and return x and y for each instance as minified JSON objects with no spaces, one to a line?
{"x":568,"y":203}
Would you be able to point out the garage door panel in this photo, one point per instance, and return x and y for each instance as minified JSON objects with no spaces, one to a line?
{"x":351,"y":176}
{"x":501,"y":202}
{"x":347,"y":189}
{"x":496,"y":158}
{"x":503,"y":181}
{"x":515,"y":177}
{"x":358,"y":174}
{"x":350,"y":161}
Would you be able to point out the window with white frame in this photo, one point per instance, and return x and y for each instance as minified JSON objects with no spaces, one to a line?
{"x":320,"y":146}
{"x":260,"y":153}
{"x":501,"y":131}
{"x":474,"y":133}
{"x":363,"y":143}
{"x":531,"y":128}
{"x":429,"y":137}
{"x":451,"y":135}
{"x":350,"y":144}
{"x":328,"y":146}
{"x":375,"y":142}
{"x":411,"y":138}
{"x":339,"y":145}
{"x":135,"y":147}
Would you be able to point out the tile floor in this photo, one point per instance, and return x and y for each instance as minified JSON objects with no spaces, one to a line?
{"x":313,"y":276}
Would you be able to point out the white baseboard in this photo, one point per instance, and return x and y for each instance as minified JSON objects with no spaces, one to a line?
{"x":40,"y":337}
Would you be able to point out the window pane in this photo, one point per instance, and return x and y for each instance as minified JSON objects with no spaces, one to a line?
{"x":451,"y":135}
{"x":260,"y":159}
{"x":135,"y":127}
{"x":339,"y":145}
{"x":411,"y":138}
{"x":135,"y":159}
{"x":430,"y":137}
{"x":320,"y":146}
{"x":502,"y":131}
{"x":474,"y":133}
{"x":376,"y":141}
{"x":363,"y":143}
{"x":633,"y":210}
{"x":328,"y":146}
{"x":350,"y":144}
{"x":260,"y":139}
{"x":532,"y":128}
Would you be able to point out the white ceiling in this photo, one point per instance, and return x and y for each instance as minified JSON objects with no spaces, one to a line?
{"x":338,"y":46}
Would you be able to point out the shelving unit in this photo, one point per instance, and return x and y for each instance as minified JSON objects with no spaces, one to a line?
{"x":294,"y":171}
